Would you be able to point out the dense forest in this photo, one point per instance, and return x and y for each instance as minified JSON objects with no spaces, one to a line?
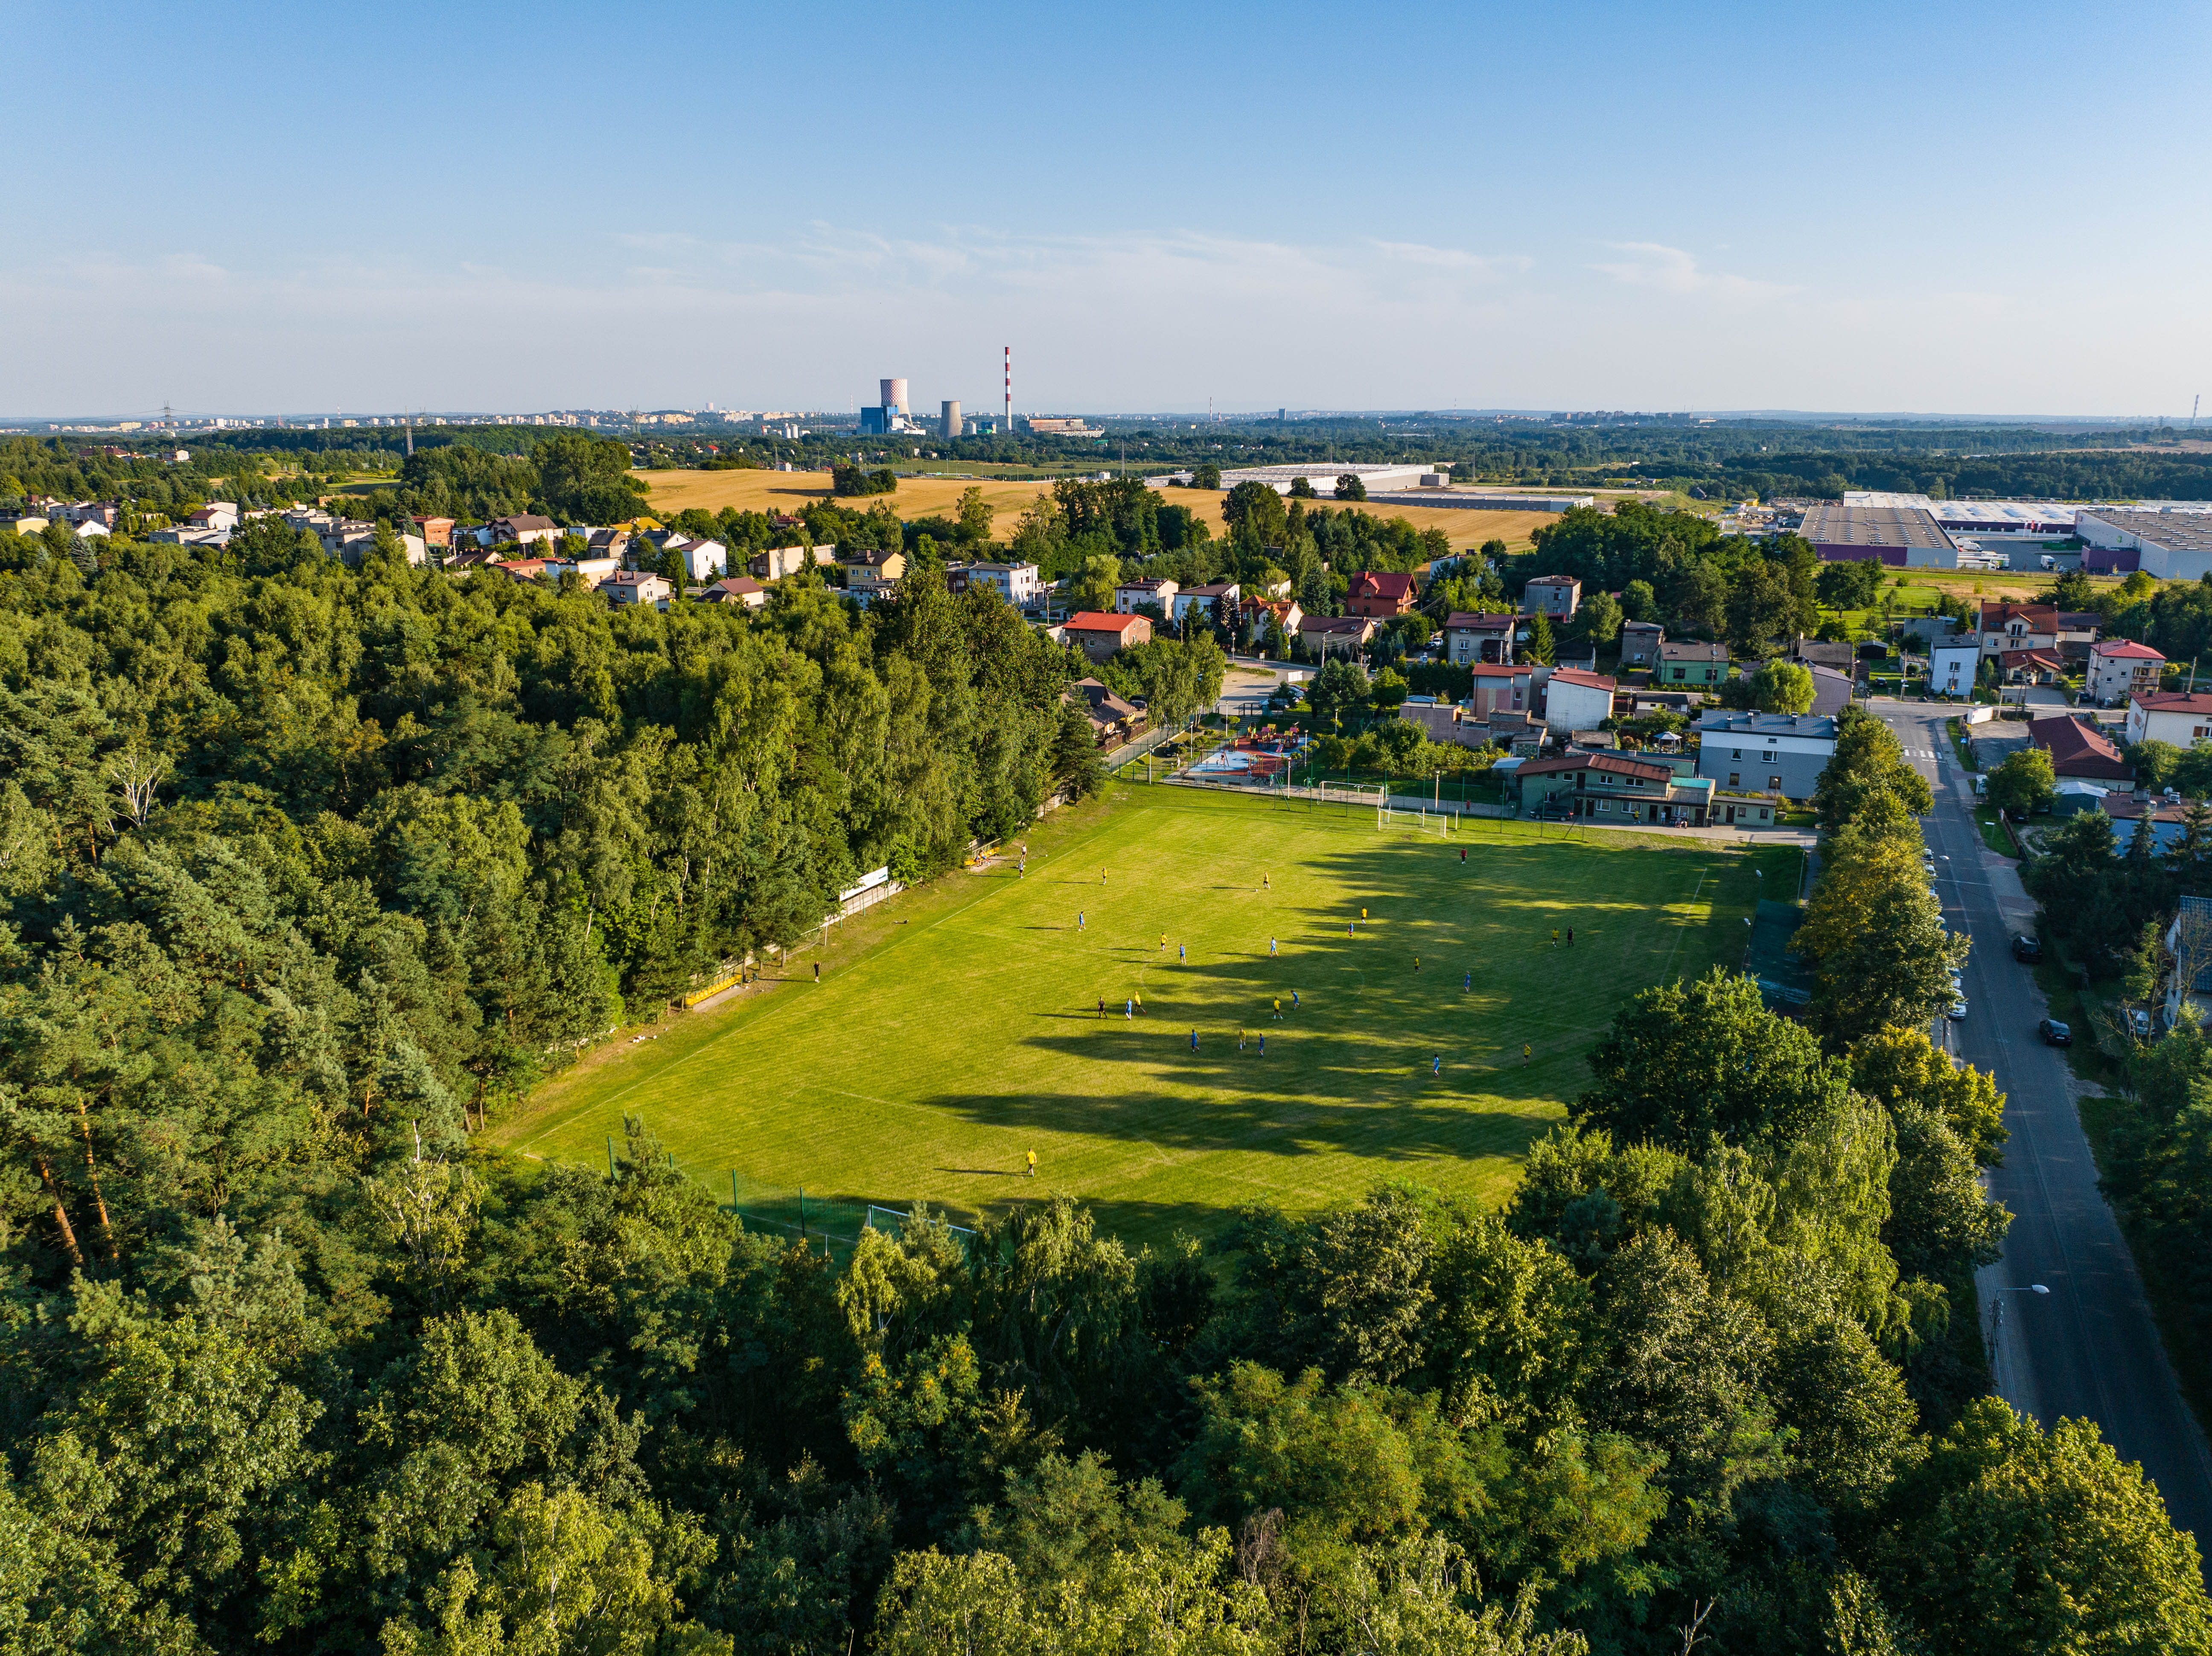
{"x":306,"y":873}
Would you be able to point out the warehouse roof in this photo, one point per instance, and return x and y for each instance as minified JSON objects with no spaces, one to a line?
{"x":2178,"y":532}
{"x":1828,"y":524}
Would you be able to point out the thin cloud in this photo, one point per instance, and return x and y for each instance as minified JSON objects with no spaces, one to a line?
{"x":1673,"y":271}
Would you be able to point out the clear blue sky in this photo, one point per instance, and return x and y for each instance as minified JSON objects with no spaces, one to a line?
{"x":1966,"y":208}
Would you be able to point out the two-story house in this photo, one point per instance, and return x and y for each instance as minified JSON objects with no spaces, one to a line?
{"x":1379,"y":594}
{"x":2007,"y":627}
{"x":2174,"y":716}
{"x":1556,"y":595}
{"x":2120,"y":668}
{"x":1132,"y":595}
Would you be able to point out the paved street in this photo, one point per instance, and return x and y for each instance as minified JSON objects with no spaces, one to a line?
{"x":2089,"y":1347}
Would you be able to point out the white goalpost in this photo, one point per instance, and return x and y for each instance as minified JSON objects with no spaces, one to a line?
{"x":1420,"y":819}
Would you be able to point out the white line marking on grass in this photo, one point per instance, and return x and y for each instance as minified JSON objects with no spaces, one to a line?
{"x":1679,"y":930}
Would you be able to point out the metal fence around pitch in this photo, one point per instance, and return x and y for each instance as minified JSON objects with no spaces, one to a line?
{"x":788,"y":1210}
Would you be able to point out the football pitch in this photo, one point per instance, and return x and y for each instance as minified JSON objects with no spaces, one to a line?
{"x":957,"y":1028}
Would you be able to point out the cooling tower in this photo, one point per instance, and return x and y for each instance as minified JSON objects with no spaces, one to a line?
{"x":894,"y":394}
{"x":948,"y":421}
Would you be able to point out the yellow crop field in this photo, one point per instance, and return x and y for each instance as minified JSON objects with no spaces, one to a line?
{"x":923,"y":497}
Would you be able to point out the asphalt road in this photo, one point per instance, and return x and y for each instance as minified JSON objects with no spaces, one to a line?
{"x":2089,"y":1348}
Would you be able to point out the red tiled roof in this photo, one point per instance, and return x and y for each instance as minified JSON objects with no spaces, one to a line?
{"x":1588,"y":680}
{"x":1461,"y":620}
{"x":2038,"y":617}
{"x":2012,"y":660}
{"x":2078,"y":750}
{"x":2173,"y":701}
{"x":1096,"y":620}
{"x":2125,"y":649}
{"x":1377,"y":584}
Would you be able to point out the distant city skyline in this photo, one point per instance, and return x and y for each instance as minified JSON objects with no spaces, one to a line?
{"x":1584,"y":206}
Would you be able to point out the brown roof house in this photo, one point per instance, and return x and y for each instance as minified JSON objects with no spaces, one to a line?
{"x":2078,"y":747}
{"x":1379,"y":594}
{"x":1113,"y":721}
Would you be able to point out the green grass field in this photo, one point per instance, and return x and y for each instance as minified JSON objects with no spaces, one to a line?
{"x":957,"y":1028}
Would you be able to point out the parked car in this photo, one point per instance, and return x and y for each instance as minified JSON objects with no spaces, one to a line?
{"x":2027,"y":947}
{"x":2139,"y":1023}
{"x":1958,"y":1010}
{"x":2054,"y":1033}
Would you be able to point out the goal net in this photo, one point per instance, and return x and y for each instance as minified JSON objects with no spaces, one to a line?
{"x":1436,"y":823}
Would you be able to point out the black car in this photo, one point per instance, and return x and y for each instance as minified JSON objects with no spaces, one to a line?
{"x":2028,"y":948}
{"x":2054,"y":1033}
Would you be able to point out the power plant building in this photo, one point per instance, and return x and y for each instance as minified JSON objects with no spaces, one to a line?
{"x":948,"y":419}
{"x":888,"y":415}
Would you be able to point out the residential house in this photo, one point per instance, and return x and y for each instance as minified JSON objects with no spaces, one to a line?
{"x":1603,"y":787}
{"x":1113,"y":721}
{"x":2119,"y":668}
{"x":1835,"y":656}
{"x":1575,"y":700}
{"x":1832,"y":692}
{"x":2031,"y":666}
{"x":1578,"y":658}
{"x":1132,"y":595}
{"x":216,"y":514}
{"x":1485,"y":637}
{"x":520,"y":569}
{"x":1556,"y":595}
{"x":1516,"y":733}
{"x":1695,"y":666}
{"x":30,"y":523}
{"x":736,"y":588}
{"x":1766,"y":753}
{"x":1639,"y":643}
{"x":359,"y":544}
{"x":476,"y":557}
{"x":1502,"y":687}
{"x":2136,"y":813}
{"x":1379,"y":594}
{"x":1220,"y":597}
{"x":1019,"y":583}
{"x":91,"y":528}
{"x":871,"y":563}
{"x":702,"y":559}
{"x":1099,"y":635}
{"x":1324,"y":635}
{"x":1441,"y":722}
{"x":780,"y":560}
{"x":628,"y":586}
{"x":524,"y":528}
{"x":436,"y":531}
{"x":2189,"y":945}
{"x":1954,"y":665}
{"x":2174,"y":716}
{"x":593,"y":571}
{"x":2017,"y":627}
{"x":867,"y":590}
{"x":2078,"y":747}
{"x":1262,"y":613}
{"x":2078,"y":631}
{"x":609,"y":543}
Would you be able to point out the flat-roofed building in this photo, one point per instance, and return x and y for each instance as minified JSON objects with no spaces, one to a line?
{"x":2172,"y":543}
{"x":1903,"y":536}
{"x":2015,"y":519}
